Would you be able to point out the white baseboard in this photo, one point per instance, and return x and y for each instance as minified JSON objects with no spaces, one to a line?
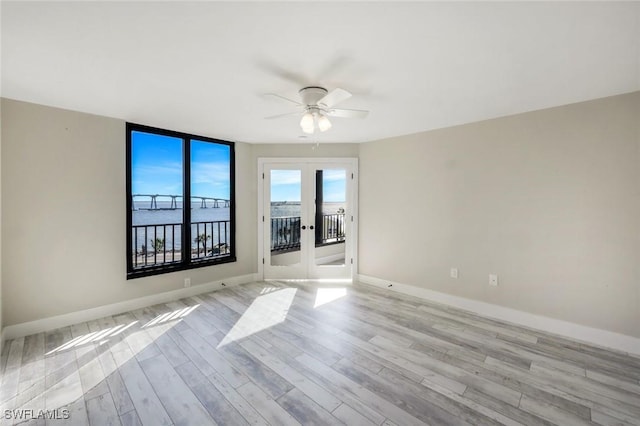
{"x":51,"y":323}
{"x":571,"y":330}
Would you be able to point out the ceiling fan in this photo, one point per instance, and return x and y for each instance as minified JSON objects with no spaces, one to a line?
{"x":317,"y":105}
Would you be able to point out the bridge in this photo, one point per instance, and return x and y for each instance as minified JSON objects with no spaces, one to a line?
{"x":153,"y":201}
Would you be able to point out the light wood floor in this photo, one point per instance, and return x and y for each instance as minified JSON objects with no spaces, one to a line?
{"x":275,"y":353}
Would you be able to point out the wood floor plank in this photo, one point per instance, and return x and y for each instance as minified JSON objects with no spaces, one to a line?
{"x":213,"y":401}
{"x":564,"y":391}
{"x":119,"y":393}
{"x":271,"y":353}
{"x":180,"y":403}
{"x":551,"y":412}
{"x":426,"y":366}
{"x":351,"y":417}
{"x":230,"y":373}
{"x":405,"y":395}
{"x":307,"y":386}
{"x":130,"y":418}
{"x":472,"y":405}
{"x":246,"y":410}
{"x":518,"y":382}
{"x":273,"y":413}
{"x":368,"y":397}
{"x":11,"y":376}
{"x":505,"y":409}
{"x":627,"y":385}
{"x":101,"y":388}
{"x":77,"y":415}
{"x":101,"y":411}
{"x":147,"y":404}
{"x":338,"y":390}
{"x":305,"y":410}
{"x":271,"y":383}
{"x":605,"y":420}
{"x":584,"y":383}
{"x":3,"y":357}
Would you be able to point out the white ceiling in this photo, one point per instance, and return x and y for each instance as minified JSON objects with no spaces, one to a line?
{"x":203,"y":67}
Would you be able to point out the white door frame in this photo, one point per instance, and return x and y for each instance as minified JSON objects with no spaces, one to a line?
{"x":351,"y":248}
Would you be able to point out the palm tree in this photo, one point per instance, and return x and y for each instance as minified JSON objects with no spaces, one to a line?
{"x":202,"y":239}
{"x":157,"y":244}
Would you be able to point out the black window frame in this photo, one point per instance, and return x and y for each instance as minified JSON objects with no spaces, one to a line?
{"x":186,"y":261}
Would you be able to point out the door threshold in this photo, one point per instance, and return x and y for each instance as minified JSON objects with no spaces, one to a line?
{"x":312,"y":280}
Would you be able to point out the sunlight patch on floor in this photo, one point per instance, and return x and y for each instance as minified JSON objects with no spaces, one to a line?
{"x":267,"y":310}
{"x":171,"y":316}
{"x":92,"y":337}
{"x":328,"y":295}
{"x":68,"y":388}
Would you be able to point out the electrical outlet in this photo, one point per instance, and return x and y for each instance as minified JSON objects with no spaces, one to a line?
{"x":187,"y":282}
{"x":454,"y":273}
{"x":493,"y":280}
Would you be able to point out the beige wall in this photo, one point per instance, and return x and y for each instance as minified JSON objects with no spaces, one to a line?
{"x":310,"y":150}
{"x":1,"y":336}
{"x":548,"y":200}
{"x":63,"y":215}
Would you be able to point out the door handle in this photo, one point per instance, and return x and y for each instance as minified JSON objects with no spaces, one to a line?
{"x":311,"y":227}
{"x":304,"y":227}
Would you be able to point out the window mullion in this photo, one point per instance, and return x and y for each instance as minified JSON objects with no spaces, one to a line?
{"x":186,"y":203}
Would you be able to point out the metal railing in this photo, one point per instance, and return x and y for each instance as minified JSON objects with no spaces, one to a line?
{"x":285,"y":231}
{"x":210,"y":239}
{"x":156,"y":244}
{"x":332,"y":228}
{"x":161,"y":244}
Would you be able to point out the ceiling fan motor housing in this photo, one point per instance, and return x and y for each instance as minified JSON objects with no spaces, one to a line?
{"x":311,"y":95}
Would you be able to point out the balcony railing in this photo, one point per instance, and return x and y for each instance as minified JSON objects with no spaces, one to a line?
{"x":161,"y":244}
{"x":210,"y":239}
{"x":332,"y":228}
{"x":285,"y":232}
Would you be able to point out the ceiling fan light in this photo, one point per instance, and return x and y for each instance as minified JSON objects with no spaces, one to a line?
{"x":307,"y":122}
{"x":323,"y":123}
{"x":308,"y":129}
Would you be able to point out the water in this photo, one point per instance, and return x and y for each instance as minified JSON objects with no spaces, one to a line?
{"x":293,"y":208}
{"x":198,"y":214}
{"x":172,"y":234}
{"x":215,"y":233}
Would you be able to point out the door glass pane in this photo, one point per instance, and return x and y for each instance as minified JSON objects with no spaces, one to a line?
{"x":330,"y":219}
{"x":286,"y":212}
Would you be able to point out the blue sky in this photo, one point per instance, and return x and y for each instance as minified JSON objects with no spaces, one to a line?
{"x":285,"y":185}
{"x":156,"y":166}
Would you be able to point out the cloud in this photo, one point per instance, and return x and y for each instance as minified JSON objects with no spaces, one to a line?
{"x":211,"y":173}
{"x":333,"y":175}
{"x":334,"y":197}
{"x":285,"y":177}
{"x":167,"y":168}
{"x":162,"y":178}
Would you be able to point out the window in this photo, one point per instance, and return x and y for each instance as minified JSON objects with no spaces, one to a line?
{"x":166,"y":172}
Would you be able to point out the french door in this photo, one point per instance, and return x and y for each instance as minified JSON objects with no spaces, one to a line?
{"x":307,"y":218}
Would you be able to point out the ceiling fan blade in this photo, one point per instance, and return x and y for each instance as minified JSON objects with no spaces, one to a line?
{"x":282,"y":72}
{"x":283,"y":115}
{"x":347,"y":113}
{"x":334,"y":97}
{"x":283,"y":98}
